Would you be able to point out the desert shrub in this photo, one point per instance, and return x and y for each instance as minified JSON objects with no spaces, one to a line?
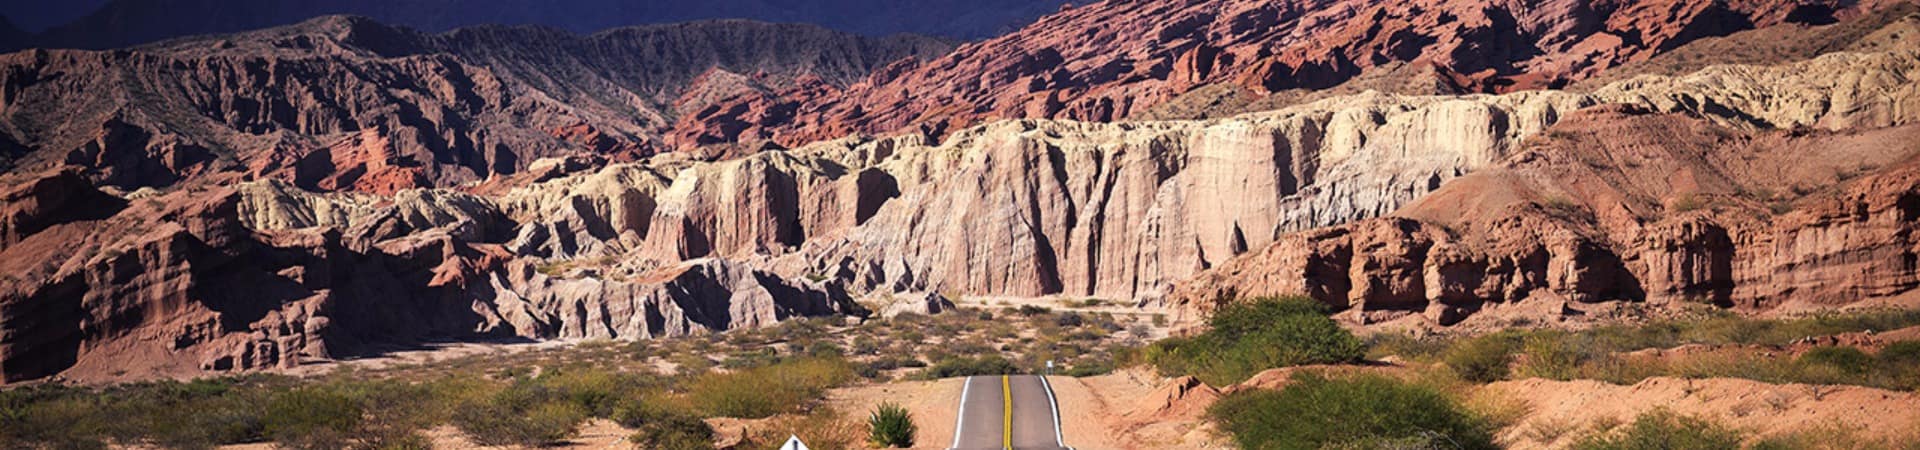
{"x":50,"y":418}
{"x":1090,"y":367}
{"x":660,"y":423}
{"x":316,"y":417}
{"x":393,"y":413}
{"x":1031,"y":310}
{"x":691,"y":363}
{"x":1832,"y":436}
{"x":865,"y":345}
{"x":525,"y":413}
{"x":1718,"y":328}
{"x":823,"y":429}
{"x":1365,"y":411}
{"x":1248,"y":337}
{"x":1382,"y":345}
{"x":891,"y":426}
{"x":218,"y":420}
{"x":1556,"y":355}
{"x":1901,"y":354}
{"x":764,"y":391}
{"x":1483,"y":359}
{"x":960,"y":366}
{"x":224,"y":413}
{"x":824,"y":349}
{"x":752,"y":358}
{"x":596,"y":391}
{"x":1732,"y":329}
{"x":678,"y":432}
{"x":1846,"y":360}
{"x":1665,"y":430}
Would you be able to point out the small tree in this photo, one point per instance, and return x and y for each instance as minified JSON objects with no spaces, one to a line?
{"x":892,"y":426}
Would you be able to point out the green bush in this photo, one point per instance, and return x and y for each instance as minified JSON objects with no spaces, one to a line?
{"x":660,"y":424}
{"x":1847,"y":360}
{"x":149,"y":413}
{"x":961,"y":366}
{"x":678,"y":432}
{"x":1483,"y":359}
{"x":1366,"y":411}
{"x":523,"y":414}
{"x":891,"y":426}
{"x":596,"y":391}
{"x":1901,"y":354}
{"x":317,"y":417}
{"x":1030,"y":310}
{"x":765,"y":391}
{"x":1556,"y":355}
{"x":1664,"y":430}
{"x":218,"y":420}
{"x":393,"y":413}
{"x":1090,"y":367}
{"x":1248,"y":337}
{"x":50,"y":418}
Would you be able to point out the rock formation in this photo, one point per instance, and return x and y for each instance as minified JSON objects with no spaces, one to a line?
{"x":196,"y":280}
{"x":344,"y":103}
{"x":124,"y":23}
{"x":1620,"y":204}
{"x":1112,"y":60}
{"x":340,"y":188}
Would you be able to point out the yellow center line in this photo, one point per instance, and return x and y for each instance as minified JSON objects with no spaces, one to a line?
{"x":1006,"y":425}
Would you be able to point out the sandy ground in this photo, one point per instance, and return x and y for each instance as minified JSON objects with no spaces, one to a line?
{"x":1559,"y":410}
{"x":425,"y":356}
{"x":596,"y":433}
{"x":1085,"y":415}
{"x":933,"y":403}
{"x":1125,"y":410}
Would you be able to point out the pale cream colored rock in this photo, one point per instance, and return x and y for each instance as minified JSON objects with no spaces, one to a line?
{"x":1034,"y":207}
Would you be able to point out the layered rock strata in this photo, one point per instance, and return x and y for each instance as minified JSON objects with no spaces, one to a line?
{"x":1749,"y":186}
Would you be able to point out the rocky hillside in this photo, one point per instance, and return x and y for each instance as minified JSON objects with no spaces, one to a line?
{"x":343,"y":103}
{"x":1637,"y":202}
{"x":121,"y":23}
{"x":1760,"y":186}
{"x":1120,"y":59}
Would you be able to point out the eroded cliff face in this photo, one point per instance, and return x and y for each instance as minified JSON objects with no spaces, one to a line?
{"x":218,"y":279}
{"x":1115,"y":60}
{"x":347,"y":104}
{"x":1126,"y":210}
{"x":1619,"y":204}
{"x":1750,"y":186}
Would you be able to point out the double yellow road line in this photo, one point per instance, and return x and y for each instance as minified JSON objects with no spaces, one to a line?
{"x":1006,"y":425}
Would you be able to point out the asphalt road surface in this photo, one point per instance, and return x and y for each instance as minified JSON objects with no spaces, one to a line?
{"x":1007,"y":412}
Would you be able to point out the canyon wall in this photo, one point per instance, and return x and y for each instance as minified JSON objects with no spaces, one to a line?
{"x":1758,"y":186}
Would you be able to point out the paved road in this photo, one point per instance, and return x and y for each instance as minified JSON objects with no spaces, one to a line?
{"x":1002,"y":412}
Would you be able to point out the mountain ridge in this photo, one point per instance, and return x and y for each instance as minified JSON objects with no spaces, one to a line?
{"x":427,"y":109}
{"x":121,"y":23}
{"x":1109,"y":60}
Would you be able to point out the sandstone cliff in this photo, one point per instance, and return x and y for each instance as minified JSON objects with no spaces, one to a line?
{"x":197,"y":280}
{"x":1619,"y":204}
{"x":1125,"y":210}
